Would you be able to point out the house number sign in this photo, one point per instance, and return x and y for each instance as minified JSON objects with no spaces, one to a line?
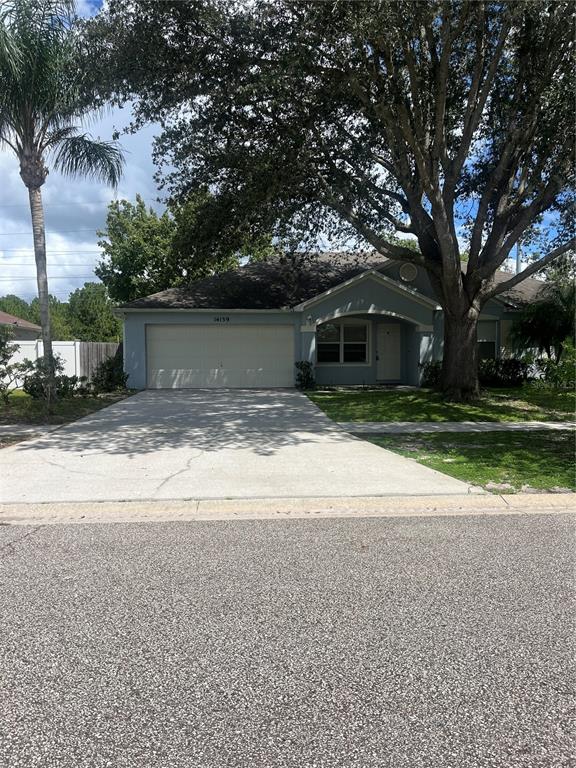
{"x":221,"y":319}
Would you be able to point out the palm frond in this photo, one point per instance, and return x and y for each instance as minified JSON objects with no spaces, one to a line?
{"x":82,"y":156}
{"x":10,"y":55}
{"x":54,"y":135}
{"x":38,"y":16}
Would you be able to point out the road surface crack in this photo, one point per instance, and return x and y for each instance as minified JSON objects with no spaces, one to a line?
{"x":10,"y":547}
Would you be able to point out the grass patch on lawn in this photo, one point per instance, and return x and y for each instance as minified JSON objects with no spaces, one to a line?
{"x":522,"y":404}
{"x":23,"y":409}
{"x":542,"y":459}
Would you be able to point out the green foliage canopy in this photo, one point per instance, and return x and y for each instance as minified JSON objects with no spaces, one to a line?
{"x":145,"y":252}
{"x":16,"y":306}
{"x":90,"y":313}
{"x":449,"y":122}
{"x":87,"y":315}
{"x":136,"y":251}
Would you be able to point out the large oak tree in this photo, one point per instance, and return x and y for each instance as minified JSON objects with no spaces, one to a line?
{"x":448,"y":122}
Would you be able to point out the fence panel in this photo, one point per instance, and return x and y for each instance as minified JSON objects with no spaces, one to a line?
{"x":92,"y":353}
{"x":80,"y":358}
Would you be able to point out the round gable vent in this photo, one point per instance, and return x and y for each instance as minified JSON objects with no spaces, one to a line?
{"x":408,"y":272}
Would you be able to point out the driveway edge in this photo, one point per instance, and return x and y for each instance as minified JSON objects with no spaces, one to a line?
{"x":285,"y":508}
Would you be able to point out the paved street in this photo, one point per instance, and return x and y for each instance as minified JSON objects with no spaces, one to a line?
{"x":411,"y":642}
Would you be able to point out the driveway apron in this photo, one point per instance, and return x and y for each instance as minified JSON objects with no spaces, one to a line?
{"x":208,"y":444}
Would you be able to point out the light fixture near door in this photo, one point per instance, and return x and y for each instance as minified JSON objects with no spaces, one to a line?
{"x":408,"y":272}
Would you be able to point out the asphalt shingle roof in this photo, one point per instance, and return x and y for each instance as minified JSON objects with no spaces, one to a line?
{"x":283,"y":283}
{"x":18,"y":322}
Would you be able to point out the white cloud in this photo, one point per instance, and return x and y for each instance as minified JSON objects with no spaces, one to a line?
{"x":86,"y":8}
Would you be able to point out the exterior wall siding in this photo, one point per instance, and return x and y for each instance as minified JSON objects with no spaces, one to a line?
{"x":377,"y":303}
{"x":21,"y":334}
{"x":370,"y":297}
{"x":421,"y":329}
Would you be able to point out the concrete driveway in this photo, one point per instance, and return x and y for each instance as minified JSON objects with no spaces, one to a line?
{"x":204,"y":444}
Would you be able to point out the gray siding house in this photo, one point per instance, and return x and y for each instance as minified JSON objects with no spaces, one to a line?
{"x":357,"y":318}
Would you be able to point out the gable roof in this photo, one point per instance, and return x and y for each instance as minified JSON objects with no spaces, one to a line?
{"x":288,"y":282}
{"x":18,"y":322}
{"x":274,"y":284}
{"x":376,"y":275}
{"x":523,"y":293}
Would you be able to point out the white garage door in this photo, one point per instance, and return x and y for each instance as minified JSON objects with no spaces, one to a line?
{"x":187,"y":356}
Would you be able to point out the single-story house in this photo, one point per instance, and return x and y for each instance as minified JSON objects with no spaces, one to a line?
{"x":21,"y":330}
{"x":359,"y":319}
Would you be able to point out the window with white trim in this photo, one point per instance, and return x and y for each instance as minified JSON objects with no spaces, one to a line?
{"x":343,"y":342}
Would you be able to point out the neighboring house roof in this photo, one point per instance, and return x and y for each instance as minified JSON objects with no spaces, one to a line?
{"x":18,"y":322}
{"x":523,"y":293}
{"x":283,"y":283}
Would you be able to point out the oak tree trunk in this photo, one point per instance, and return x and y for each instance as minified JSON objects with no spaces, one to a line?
{"x":39,"y":235}
{"x":460,"y":360}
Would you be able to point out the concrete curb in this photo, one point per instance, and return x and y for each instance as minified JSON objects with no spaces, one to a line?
{"x":276,"y":509}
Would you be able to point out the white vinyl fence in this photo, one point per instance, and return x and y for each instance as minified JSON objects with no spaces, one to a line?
{"x":80,"y":358}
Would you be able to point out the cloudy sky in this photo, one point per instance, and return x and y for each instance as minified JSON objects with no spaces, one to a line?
{"x":74,"y":208}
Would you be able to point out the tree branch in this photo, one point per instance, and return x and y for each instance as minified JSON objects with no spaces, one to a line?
{"x":537,"y":206}
{"x":390,"y":250}
{"x":532,"y":269}
{"x":474,"y":111}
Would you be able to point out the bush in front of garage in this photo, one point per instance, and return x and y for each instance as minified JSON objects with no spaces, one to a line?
{"x":109,"y":375}
{"x":305,"y":378}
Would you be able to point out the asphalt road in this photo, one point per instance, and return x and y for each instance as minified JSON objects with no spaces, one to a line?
{"x":352,"y":643}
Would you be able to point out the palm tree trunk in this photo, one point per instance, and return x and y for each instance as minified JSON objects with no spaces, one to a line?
{"x":39,"y":234}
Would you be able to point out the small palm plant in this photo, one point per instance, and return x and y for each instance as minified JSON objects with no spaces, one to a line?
{"x":42,"y":110}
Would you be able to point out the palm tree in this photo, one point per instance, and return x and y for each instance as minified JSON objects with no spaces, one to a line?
{"x":547,"y":322}
{"x":41,"y":109}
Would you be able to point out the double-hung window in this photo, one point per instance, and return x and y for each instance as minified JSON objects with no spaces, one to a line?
{"x":342,"y":342}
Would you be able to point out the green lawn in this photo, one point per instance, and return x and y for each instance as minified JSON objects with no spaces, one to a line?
{"x":22,"y":409}
{"x":542,"y":459}
{"x":522,"y":404}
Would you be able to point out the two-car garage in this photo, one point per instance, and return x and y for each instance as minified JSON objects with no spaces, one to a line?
{"x":219,"y":355}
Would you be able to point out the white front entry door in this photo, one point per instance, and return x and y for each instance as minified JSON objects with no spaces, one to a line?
{"x":189,"y":356}
{"x":388,"y":352}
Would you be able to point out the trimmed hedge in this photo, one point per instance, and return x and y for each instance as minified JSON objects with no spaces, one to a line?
{"x":501,"y":372}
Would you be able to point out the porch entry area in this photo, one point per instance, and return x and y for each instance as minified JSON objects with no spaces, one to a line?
{"x":366,"y":350}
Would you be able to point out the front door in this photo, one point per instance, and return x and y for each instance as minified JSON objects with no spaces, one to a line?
{"x":388,"y":352}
